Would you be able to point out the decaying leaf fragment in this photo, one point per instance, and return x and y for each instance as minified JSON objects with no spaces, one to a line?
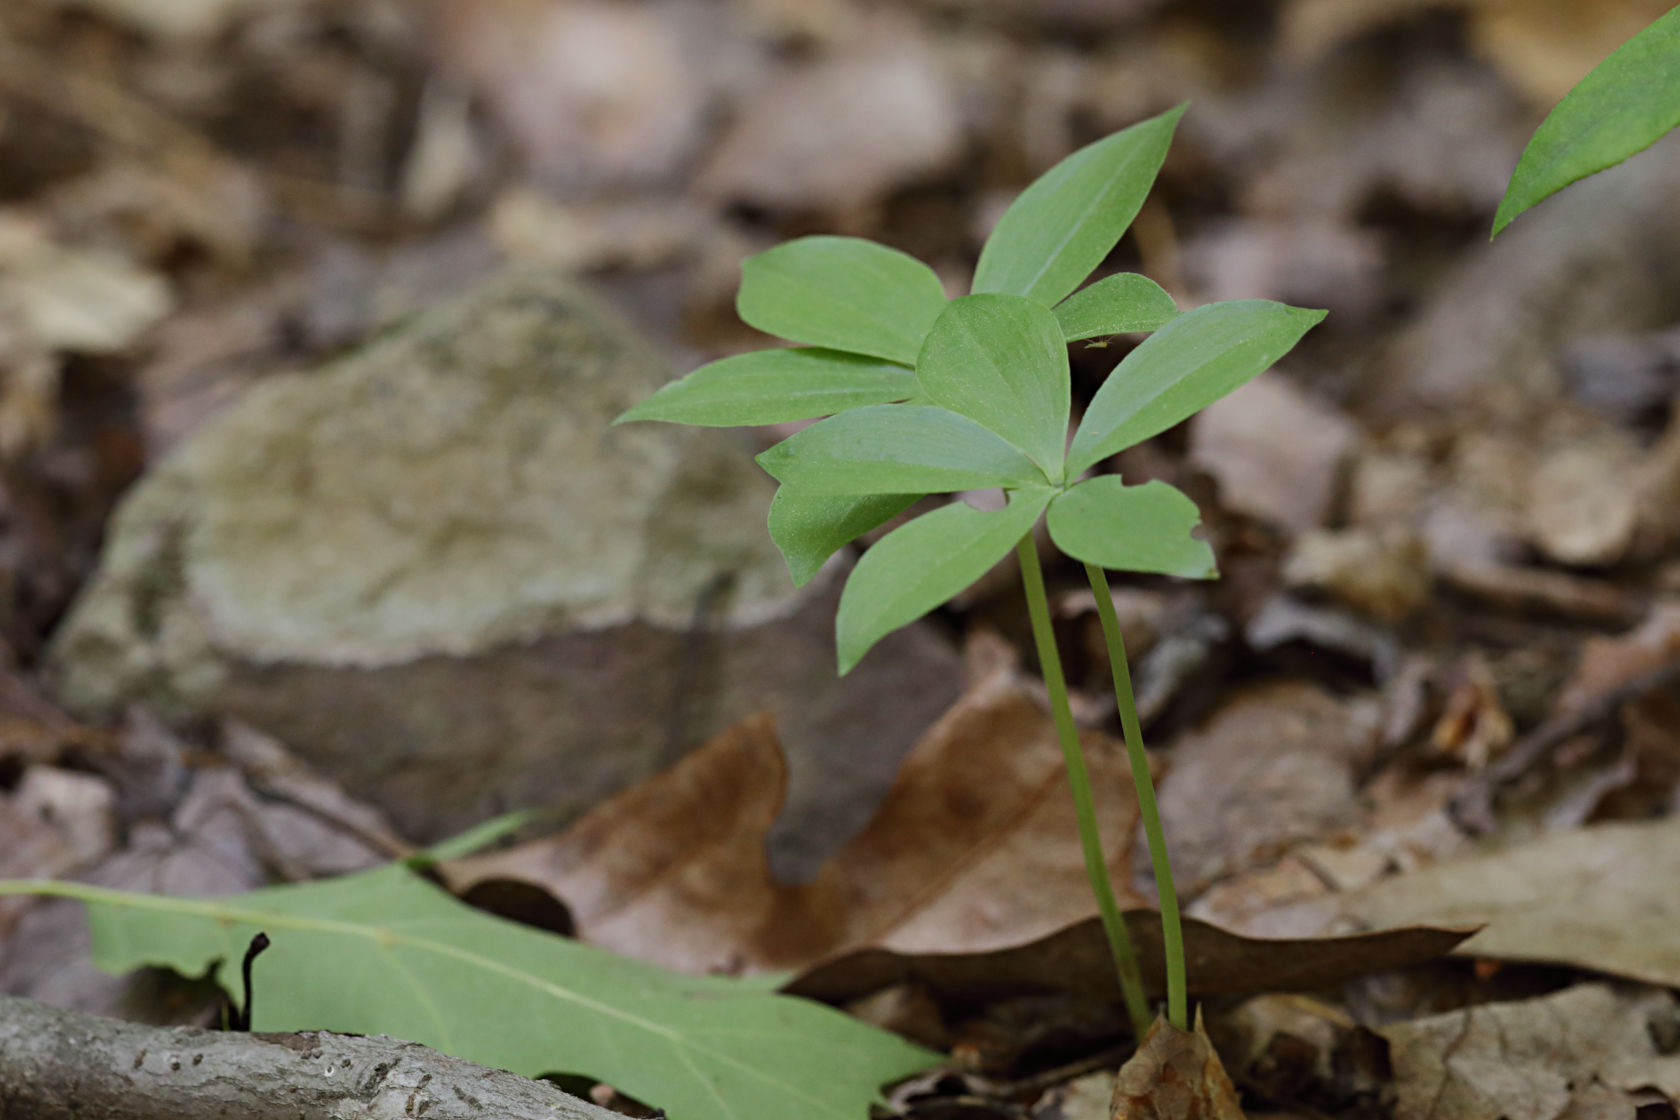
{"x":1579,"y":1052}
{"x":1601,"y":898}
{"x":1175,"y":1075}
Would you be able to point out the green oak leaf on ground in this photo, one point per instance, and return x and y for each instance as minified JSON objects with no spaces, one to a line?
{"x":385,"y":952}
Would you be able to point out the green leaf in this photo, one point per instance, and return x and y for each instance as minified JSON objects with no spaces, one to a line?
{"x":897,"y":449}
{"x":1116,"y":304}
{"x":386,"y":953}
{"x":1131,"y":528}
{"x":1183,"y":367}
{"x":774,"y":387}
{"x":1623,"y":106}
{"x":809,"y":528}
{"x":844,"y":293}
{"x":1002,"y":361}
{"x":1067,"y":220}
{"x":920,"y":565}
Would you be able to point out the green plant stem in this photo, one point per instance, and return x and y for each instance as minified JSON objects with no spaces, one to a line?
{"x":1172,"y":931}
{"x":1090,"y":836}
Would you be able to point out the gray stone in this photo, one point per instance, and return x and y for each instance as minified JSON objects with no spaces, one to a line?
{"x":436,"y":572}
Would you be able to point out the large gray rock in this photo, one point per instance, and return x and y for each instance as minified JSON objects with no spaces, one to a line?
{"x":435,"y":571}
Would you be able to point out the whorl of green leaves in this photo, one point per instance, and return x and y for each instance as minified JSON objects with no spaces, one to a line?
{"x":928,"y":396}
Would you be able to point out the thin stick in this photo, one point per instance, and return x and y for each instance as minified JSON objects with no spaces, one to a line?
{"x":1172,"y":932}
{"x":1090,"y":836}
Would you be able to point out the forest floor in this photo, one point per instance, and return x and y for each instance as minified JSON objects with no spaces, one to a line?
{"x":1437,"y":688}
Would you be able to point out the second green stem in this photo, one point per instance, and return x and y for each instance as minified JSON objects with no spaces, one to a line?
{"x":1090,"y":837}
{"x":1172,"y":931}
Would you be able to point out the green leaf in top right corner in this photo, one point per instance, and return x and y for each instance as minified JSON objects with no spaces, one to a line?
{"x":1066,"y":221}
{"x":1623,"y":106}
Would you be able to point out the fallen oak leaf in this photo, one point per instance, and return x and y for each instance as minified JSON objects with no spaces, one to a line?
{"x":974,"y":848}
{"x":965,"y":879}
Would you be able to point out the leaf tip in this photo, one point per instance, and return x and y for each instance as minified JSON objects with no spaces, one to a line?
{"x":770,"y":460}
{"x":1504,"y":217}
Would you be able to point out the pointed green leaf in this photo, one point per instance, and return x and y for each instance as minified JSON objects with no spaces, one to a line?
{"x":897,"y":449}
{"x":774,"y":387}
{"x":1131,"y":528}
{"x":921,"y":564}
{"x":384,"y":952}
{"x":809,"y":528}
{"x":1002,"y":361}
{"x":1185,"y":366}
{"x":1623,"y":106}
{"x":844,"y":293}
{"x":1067,"y":220}
{"x":1116,"y":304}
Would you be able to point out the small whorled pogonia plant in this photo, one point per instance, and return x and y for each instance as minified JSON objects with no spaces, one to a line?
{"x":924,"y":396}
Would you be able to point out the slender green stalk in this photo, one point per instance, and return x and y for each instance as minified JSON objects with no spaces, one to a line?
{"x":1090,"y":836}
{"x":1172,"y":931}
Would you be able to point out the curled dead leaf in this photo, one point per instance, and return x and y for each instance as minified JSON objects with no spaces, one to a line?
{"x":1175,"y":1075}
{"x":1077,"y":959}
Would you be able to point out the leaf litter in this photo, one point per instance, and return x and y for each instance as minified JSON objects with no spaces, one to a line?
{"x":1482,"y":614}
{"x":967,"y":880}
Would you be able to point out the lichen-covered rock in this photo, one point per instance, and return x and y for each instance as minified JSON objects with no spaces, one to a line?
{"x":435,"y":570}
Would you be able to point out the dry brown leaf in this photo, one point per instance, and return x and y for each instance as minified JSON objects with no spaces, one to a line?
{"x":1608,"y":663}
{"x":1578,"y":1052}
{"x":197,"y":20}
{"x":842,"y":130}
{"x":1542,"y":46}
{"x":74,"y":299}
{"x":1274,"y":766}
{"x":1382,"y":572}
{"x":974,"y":848}
{"x":1175,"y":1075}
{"x":1599,"y":898}
{"x":56,"y":822}
{"x":968,"y":879}
{"x":1289,"y":482}
{"x":591,"y":93}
